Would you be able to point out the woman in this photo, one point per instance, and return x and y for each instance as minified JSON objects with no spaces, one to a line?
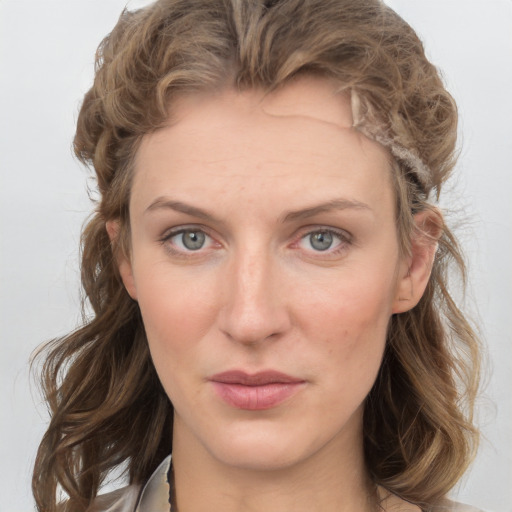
{"x":266,"y":268}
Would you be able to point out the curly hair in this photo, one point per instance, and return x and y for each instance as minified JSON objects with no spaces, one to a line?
{"x":107,"y":405}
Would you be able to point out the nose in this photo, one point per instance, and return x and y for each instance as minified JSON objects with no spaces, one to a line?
{"x":255,"y":307}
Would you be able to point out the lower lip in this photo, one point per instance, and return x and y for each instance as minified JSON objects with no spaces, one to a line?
{"x":256,"y":398}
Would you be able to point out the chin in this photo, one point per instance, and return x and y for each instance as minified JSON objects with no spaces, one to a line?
{"x":262,"y":449}
{"x":257,"y":457}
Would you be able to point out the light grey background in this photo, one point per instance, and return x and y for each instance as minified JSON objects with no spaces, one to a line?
{"x":46,"y":64}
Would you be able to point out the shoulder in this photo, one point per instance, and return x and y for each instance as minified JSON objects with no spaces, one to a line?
{"x":152,"y":497}
{"x":121,"y":500}
{"x":393,"y":503}
{"x":454,"y":506}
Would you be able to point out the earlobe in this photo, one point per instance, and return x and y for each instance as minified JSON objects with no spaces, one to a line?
{"x":124,"y":263}
{"x":415,"y":270}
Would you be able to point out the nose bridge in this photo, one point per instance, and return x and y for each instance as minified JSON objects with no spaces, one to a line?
{"x":254,"y":309}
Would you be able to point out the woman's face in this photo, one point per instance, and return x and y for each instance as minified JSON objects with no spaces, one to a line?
{"x":265,"y":262}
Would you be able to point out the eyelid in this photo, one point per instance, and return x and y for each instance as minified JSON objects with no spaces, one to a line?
{"x":176,"y":230}
{"x":308,"y":230}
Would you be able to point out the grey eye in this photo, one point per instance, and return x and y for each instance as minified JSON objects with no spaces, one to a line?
{"x":193,"y":240}
{"x":321,"y":240}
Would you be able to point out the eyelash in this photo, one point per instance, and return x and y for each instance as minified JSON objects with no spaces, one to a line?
{"x":345,"y":239}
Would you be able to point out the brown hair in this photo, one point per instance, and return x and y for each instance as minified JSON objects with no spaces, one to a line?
{"x":106,"y":402}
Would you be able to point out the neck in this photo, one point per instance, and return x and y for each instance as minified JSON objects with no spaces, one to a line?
{"x":331,"y":480}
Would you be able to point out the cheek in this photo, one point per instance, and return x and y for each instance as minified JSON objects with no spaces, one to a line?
{"x":176,"y":319}
{"x":176,"y":311}
{"x":351,"y":304}
{"x":348,"y":322}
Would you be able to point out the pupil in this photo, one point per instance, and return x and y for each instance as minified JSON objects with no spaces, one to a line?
{"x":321,"y":241}
{"x":193,"y":240}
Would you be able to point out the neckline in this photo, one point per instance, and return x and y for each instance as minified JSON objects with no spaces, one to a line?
{"x":156,"y":493}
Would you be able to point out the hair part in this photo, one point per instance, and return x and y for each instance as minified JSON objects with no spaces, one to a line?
{"x":107,"y":406}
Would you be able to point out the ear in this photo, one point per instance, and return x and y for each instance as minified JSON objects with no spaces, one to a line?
{"x":416,"y":268}
{"x":124,"y":264}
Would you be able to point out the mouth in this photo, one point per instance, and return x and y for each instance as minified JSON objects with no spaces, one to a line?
{"x":255,"y":392}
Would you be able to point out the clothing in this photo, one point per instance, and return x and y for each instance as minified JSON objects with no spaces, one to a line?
{"x":154,"y":496}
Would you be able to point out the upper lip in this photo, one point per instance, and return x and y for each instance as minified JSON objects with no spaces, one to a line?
{"x":255,"y":379}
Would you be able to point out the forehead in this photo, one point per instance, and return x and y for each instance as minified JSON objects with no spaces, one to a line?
{"x":300,"y":138}
{"x":312,"y":98}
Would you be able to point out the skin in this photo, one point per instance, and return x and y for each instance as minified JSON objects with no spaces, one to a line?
{"x":267,"y":172}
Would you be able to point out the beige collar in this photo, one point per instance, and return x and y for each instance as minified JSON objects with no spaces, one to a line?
{"x":155,"y":494}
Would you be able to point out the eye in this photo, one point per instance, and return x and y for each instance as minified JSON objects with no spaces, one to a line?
{"x":186,"y":240}
{"x":192,"y":240}
{"x":322,"y":240}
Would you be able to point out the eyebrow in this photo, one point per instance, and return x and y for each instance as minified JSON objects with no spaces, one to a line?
{"x":304,"y":213}
{"x":178,"y":206}
{"x":335,"y":204}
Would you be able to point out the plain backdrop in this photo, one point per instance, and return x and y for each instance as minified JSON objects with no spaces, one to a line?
{"x":46,"y":65}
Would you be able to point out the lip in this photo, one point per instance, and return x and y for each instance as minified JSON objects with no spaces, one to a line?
{"x":255,"y":392}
